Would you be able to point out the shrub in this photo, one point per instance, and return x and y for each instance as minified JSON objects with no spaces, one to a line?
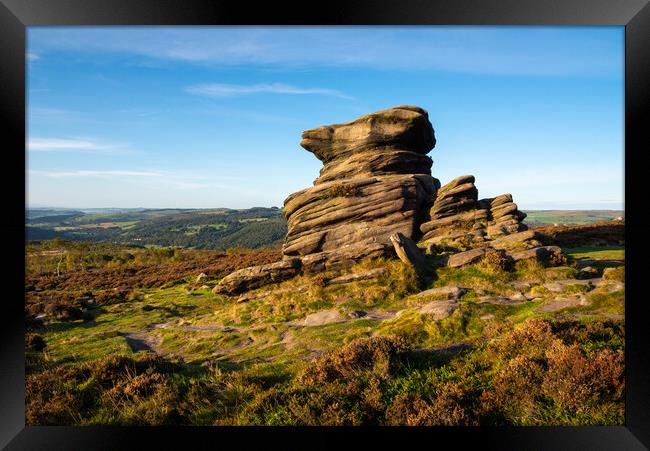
{"x":377,"y":356}
{"x":580,"y":383}
{"x":494,"y":261}
{"x":591,"y":335}
{"x":319,"y":280}
{"x":34,"y":342}
{"x":114,"y":389}
{"x":543,"y":381}
{"x":556,"y":259}
{"x":143,"y":399}
{"x":342,"y":190}
{"x":617,"y":273}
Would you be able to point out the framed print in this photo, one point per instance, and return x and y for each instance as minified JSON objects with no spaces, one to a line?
{"x":267,"y":223}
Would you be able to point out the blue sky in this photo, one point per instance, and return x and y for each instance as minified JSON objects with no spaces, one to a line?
{"x":208,"y":117}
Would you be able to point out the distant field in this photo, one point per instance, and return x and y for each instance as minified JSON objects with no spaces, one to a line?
{"x":543,"y":217}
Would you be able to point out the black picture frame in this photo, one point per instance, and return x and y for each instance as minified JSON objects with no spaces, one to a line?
{"x":16,"y":15}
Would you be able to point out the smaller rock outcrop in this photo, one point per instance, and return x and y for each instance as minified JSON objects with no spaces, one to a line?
{"x":549,"y":254}
{"x":459,"y":219}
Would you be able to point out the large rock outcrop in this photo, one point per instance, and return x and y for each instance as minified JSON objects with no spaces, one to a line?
{"x":376,"y":184}
{"x":376,"y":181}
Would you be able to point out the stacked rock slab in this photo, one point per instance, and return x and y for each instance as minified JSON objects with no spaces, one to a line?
{"x":460,"y":220}
{"x":375,"y":181}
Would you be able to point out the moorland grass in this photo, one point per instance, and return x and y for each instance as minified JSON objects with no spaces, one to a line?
{"x":224,"y":362}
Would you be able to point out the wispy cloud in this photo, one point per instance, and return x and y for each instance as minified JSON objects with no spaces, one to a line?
{"x":32,"y":56}
{"x":75,"y":145}
{"x":541,"y":51}
{"x":182,"y":179}
{"x":226,"y":90}
{"x":147,"y":179}
{"x":92,"y":173}
{"x":57,"y":115}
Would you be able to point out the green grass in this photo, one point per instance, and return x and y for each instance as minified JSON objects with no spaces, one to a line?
{"x":267,"y":348}
{"x":261,"y":323}
{"x":596,"y":253}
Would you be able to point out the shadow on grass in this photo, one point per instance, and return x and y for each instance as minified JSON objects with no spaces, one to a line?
{"x":423,"y":358}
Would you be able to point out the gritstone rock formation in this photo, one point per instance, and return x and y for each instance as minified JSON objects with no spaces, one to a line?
{"x":376,"y":183}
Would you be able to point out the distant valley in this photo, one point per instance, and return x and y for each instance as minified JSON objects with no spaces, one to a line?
{"x":189,"y":228}
{"x":217,"y":229}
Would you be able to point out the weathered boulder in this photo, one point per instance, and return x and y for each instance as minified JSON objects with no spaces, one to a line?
{"x":544,"y":254}
{"x":354,"y":212}
{"x":561,"y":303}
{"x":464,"y":258}
{"x":343,"y":257}
{"x":525,"y":239}
{"x":548,"y":254}
{"x":257,"y":276}
{"x":409,"y":253}
{"x":376,"y":181}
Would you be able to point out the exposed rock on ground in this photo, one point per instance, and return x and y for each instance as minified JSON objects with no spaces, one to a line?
{"x":560,"y":303}
{"x":257,"y":276}
{"x":322,"y":317}
{"x":448,"y":292}
{"x":542,"y":253}
{"x":464,"y":258}
{"x":558,"y":286}
{"x":439,"y":309}
{"x":500,"y":300}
